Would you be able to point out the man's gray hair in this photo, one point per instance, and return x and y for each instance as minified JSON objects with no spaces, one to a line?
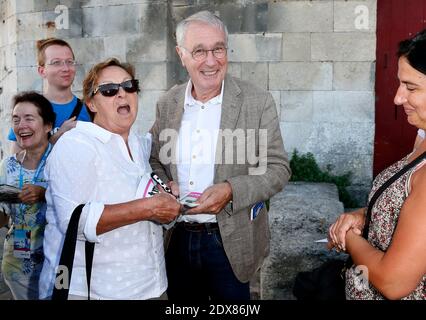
{"x":203,"y":17}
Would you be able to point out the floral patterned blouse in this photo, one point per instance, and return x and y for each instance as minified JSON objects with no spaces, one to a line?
{"x":17,"y":269}
{"x":384,"y":218}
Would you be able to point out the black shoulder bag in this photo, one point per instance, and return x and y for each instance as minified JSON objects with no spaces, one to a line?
{"x":67,"y":256}
{"x":327,"y":282}
{"x":77,"y":109}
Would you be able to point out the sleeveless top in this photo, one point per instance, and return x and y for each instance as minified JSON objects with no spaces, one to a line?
{"x":384,"y":218}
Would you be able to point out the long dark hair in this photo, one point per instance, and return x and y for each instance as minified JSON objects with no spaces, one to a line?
{"x":414,"y":49}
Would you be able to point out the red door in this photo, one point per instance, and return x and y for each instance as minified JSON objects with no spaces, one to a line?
{"x":396,"y":20}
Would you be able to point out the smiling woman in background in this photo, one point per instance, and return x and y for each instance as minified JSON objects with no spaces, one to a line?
{"x":32,"y":120}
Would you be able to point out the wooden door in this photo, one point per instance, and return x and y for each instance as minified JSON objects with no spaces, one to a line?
{"x":394,"y":137}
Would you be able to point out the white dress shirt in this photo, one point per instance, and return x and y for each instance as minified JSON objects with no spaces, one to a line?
{"x":90,"y":165}
{"x":196,"y":148}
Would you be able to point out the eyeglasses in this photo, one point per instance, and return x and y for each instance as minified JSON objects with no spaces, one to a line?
{"x":201,"y":54}
{"x":60,"y":63}
{"x":111,"y":89}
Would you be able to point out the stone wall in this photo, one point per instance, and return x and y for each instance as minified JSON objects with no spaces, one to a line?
{"x":317,"y":58}
{"x":8,"y":75}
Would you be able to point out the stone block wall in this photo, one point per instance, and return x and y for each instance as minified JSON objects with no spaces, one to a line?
{"x":317,"y":58}
{"x":8,"y":75}
{"x":133,"y":31}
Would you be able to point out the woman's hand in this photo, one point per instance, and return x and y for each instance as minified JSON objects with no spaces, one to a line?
{"x":174,"y":187}
{"x":31,"y":194}
{"x":164,"y":207}
{"x":347,"y":221}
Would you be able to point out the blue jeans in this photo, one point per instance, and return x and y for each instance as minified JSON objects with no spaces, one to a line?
{"x":198,"y":268}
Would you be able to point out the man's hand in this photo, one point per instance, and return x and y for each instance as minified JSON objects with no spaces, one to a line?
{"x":213,"y":199}
{"x":164,"y":207}
{"x":67,"y":125}
{"x":31,"y":194}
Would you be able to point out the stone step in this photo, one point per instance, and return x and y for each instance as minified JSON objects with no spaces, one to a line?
{"x":299,"y":215}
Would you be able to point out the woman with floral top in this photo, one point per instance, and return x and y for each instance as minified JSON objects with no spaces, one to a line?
{"x":394,"y":253}
{"x":32,"y":120}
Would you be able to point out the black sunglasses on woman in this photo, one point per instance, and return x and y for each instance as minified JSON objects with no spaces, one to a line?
{"x":111,"y":89}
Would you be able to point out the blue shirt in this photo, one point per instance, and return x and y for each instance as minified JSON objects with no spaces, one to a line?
{"x":63,"y":112}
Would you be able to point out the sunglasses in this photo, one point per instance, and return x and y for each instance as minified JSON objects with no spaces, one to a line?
{"x":111,"y":89}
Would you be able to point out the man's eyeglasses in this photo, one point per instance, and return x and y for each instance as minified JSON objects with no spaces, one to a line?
{"x":60,"y":63}
{"x":201,"y":54}
{"x":111,"y":89}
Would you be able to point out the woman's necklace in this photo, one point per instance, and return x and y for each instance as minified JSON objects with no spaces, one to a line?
{"x":23,"y":157}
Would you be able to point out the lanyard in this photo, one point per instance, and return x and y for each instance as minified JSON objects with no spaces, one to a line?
{"x":33,"y":180}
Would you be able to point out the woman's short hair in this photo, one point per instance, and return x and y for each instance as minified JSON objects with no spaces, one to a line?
{"x":44,"y":107}
{"x":414,"y":50}
{"x":92,"y":76}
{"x":42,"y":45}
{"x":204,"y":17}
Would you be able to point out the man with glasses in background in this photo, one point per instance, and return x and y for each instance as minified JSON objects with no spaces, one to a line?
{"x":218,"y":245}
{"x":57,"y":66}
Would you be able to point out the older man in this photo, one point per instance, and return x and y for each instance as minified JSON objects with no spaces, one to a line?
{"x":216,"y":138}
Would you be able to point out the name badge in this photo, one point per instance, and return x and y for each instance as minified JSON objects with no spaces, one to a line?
{"x":22,"y":243}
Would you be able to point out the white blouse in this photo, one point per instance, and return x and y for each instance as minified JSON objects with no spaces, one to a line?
{"x":90,"y":165}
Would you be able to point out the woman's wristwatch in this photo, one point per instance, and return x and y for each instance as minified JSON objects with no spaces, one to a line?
{"x":53,"y":131}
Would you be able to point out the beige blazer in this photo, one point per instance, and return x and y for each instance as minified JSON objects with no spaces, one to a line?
{"x":244,"y":106}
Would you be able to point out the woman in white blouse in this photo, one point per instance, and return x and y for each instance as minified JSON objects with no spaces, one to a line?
{"x":104,"y":165}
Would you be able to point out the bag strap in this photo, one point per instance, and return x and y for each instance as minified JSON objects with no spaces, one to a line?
{"x":376,"y":195}
{"x":67,"y":255}
{"x":384,"y":186}
{"x":77,"y":109}
{"x":89,"y":251}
